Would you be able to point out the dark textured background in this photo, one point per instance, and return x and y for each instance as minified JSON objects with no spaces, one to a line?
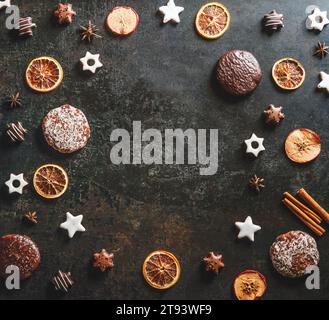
{"x":162,"y":75}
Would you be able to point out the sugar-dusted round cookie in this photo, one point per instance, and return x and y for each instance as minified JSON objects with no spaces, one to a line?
{"x":293,"y":252}
{"x":20,"y":251}
{"x":238,"y":72}
{"x":66,"y":129}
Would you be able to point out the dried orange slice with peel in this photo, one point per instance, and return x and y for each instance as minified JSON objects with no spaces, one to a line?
{"x":302,"y":145}
{"x":50,"y":181}
{"x":288,"y":73}
{"x":212,"y":20}
{"x":161,"y":269}
{"x":44,"y":74}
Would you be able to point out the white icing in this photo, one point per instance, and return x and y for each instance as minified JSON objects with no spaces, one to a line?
{"x":293,"y":252}
{"x":66,"y":129}
{"x":317,"y":20}
{"x":73,"y":224}
{"x":171,"y":12}
{"x":254,"y":150}
{"x":324,"y":84}
{"x":90,"y":62}
{"x":13,"y":179}
{"x":247,"y":229}
{"x":5,"y":4}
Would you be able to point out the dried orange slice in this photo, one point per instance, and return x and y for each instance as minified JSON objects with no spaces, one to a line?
{"x":50,"y":181}
{"x":212,"y":20}
{"x":288,"y":74}
{"x":44,"y":74}
{"x":161,"y":269}
{"x":302,"y":145}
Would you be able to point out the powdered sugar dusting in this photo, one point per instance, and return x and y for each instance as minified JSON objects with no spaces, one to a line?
{"x":66,"y":129}
{"x":293,"y":252}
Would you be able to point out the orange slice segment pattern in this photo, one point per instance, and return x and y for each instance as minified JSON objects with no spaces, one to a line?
{"x":288,"y":74}
{"x":161,"y":269}
{"x":212,"y":20}
{"x":44,"y":74}
{"x":50,"y":181}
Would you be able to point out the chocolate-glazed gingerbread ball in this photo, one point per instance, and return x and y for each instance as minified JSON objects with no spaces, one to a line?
{"x":19,"y":251}
{"x":238,"y":72}
{"x":293,"y":252}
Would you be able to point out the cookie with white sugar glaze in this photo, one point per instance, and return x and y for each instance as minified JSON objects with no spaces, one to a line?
{"x":293,"y":253}
{"x":66,"y":129}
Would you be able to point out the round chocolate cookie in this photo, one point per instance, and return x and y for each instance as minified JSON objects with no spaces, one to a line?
{"x":293,"y":252}
{"x":66,"y":129}
{"x":238,"y":72}
{"x":19,"y":251}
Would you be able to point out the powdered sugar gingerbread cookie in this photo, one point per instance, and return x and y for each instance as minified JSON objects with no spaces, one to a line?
{"x":66,"y":129}
{"x":293,"y":252}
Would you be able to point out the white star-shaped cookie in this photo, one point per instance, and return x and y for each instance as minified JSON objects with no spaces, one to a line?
{"x":90,"y":62}
{"x":254,"y":140}
{"x":324,"y":84}
{"x":16,"y":179}
{"x":5,"y":4}
{"x":73,"y":224}
{"x":171,"y":12}
{"x":317,"y":20}
{"x":247,"y":229}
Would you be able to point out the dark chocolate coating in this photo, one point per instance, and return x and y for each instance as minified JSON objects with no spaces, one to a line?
{"x":19,"y":251}
{"x":238,"y":72}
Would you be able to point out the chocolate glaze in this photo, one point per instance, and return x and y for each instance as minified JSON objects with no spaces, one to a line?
{"x":238,"y":72}
{"x":19,"y":251}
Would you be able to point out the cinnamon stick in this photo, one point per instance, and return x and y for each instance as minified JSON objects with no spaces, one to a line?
{"x":307,"y":198}
{"x":303,"y":217}
{"x":301,"y":206}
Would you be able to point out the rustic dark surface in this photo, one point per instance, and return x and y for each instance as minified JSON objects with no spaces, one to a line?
{"x":162,"y":75}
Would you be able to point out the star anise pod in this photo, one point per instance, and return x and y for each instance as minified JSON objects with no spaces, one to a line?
{"x":249,"y":286}
{"x":89,"y":32}
{"x":321,"y":50}
{"x":103,"y":260}
{"x":15,"y":101}
{"x":31,"y":217}
{"x":213,"y":262}
{"x":64,"y":13}
{"x":256,"y":183}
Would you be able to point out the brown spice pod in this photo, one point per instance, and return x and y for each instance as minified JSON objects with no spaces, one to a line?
{"x":302,"y":145}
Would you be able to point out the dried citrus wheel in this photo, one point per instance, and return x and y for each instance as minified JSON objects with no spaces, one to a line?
{"x":44,"y":74}
{"x":161,"y":269}
{"x":302,"y":145}
{"x":288,"y":74}
{"x":50,"y":181}
{"x":122,"y":21}
{"x":249,"y":285}
{"x":212,"y":20}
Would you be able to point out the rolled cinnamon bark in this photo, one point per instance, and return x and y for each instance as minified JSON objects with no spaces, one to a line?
{"x":307,"y":198}
{"x":304,"y":218}
{"x":304,"y":208}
